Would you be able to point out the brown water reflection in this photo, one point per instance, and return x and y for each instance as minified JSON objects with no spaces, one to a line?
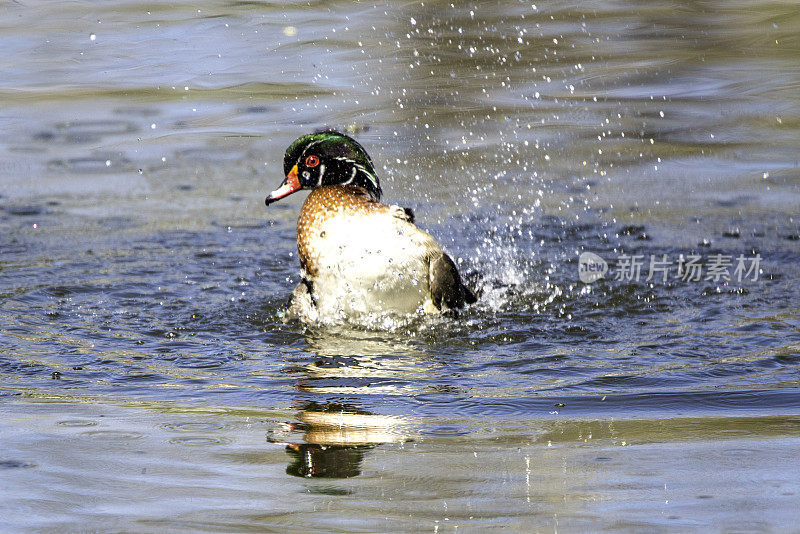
{"x":570,"y":474}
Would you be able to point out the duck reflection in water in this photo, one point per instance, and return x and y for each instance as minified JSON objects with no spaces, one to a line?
{"x":335,"y":439}
{"x":332,"y":435}
{"x":322,"y":461}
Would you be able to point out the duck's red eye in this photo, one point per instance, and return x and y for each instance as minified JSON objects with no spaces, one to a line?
{"x":312,"y":161}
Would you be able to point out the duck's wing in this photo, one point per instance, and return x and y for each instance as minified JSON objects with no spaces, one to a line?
{"x":404,"y":214}
{"x":447,"y":289}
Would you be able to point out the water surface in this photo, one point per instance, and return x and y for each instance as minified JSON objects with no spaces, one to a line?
{"x":147,"y":381}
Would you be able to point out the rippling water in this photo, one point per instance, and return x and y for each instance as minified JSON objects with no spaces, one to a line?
{"x":148,"y":383}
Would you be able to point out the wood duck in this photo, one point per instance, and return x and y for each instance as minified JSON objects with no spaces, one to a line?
{"x":357,"y":255}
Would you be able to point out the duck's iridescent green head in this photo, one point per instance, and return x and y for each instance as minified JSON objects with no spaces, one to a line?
{"x":327,"y":158}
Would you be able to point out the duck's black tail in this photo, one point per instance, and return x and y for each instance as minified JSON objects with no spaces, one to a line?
{"x":447,"y":289}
